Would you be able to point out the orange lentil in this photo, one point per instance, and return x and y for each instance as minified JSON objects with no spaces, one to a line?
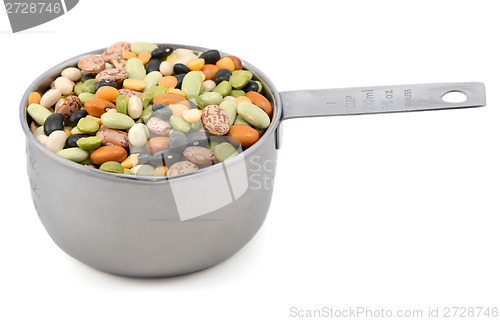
{"x":225,"y":62}
{"x":240,"y":99}
{"x":172,"y":58}
{"x":130,"y":161}
{"x":107,"y":93}
{"x":168,"y":81}
{"x":34,"y":98}
{"x":128,"y":54}
{"x":196,"y":64}
{"x":160,"y":171}
{"x":178,"y":109}
{"x":67,"y":131}
{"x":134,"y":84}
{"x":144,"y":57}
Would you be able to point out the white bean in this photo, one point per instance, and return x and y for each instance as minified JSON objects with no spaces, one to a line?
{"x":42,"y":139}
{"x":56,"y":140}
{"x":185,"y":59}
{"x":72,"y":73}
{"x":134,"y":109}
{"x":208,"y":85}
{"x":64,"y":85}
{"x":181,"y":52}
{"x":138,"y":135}
{"x":166,"y":68}
{"x":142,"y":170}
{"x":50,"y":97}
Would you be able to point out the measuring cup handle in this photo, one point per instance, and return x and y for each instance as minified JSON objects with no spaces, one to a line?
{"x":379,"y":99}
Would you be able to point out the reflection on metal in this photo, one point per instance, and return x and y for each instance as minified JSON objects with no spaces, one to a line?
{"x":197,"y":195}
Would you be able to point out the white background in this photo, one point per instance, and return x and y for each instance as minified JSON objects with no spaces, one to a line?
{"x":400,"y":210}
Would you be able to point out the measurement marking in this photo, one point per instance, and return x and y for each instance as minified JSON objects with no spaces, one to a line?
{"x":331,"y":102}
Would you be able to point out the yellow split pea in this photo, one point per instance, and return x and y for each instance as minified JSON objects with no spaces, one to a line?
{"x":191,"y":115}
{"x":134,"y":84}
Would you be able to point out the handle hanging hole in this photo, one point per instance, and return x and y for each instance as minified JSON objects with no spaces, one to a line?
{"x":454,"y":96}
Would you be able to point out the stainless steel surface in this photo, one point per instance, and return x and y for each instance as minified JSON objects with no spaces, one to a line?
{"x":157,"y":226}
{"x":377,"y":99}
{"x":152,"y":226}
{"x":380,"y":99}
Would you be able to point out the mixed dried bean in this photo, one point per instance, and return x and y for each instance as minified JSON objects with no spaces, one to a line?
{"x":148,"y":110}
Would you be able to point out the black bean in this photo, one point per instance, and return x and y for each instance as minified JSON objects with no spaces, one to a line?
{"x":76,"y":116}
{"x":210,"y":56}
{"x":143,"y":158}
{"x":179,"y":80}
{"x":103,"y":83}
{"x":180,"y":69}
{"x":161,"y":52}
{"x":158,"y":106}
{"x":178,"y":140}
{"x":251,"y":86}
{"x":153,"y":65}
{"x":165,"y":157}
{"x":54,"y":122}
{"x":222,"y":75}
{"x":198,"y":138}
{"x":87,"y":77}
{"x":71,"y":141}
{"x":29,"y":119}
{"x":163,"y":113}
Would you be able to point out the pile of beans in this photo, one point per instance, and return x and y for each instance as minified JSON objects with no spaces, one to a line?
{"x":145,"y":110}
